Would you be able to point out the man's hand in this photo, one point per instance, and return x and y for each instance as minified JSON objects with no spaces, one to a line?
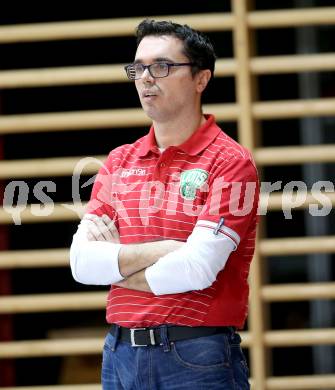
{"x":102,"y":229}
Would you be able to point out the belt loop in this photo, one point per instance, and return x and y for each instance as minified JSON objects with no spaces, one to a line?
{"x":116,"y":337}
{"x":231,"y":330}
{"x":164,"y":338}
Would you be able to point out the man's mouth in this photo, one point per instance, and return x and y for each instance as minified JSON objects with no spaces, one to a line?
{"x":146,"y":94}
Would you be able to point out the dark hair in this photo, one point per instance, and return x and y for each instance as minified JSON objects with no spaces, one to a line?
{"x":197,"y":46}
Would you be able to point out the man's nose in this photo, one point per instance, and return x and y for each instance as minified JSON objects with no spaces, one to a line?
{"x":146,"y":76}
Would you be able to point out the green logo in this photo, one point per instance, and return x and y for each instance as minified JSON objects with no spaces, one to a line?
{"x":190,"y":181}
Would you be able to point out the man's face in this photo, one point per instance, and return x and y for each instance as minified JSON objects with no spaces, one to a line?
{"x":165,"y":98}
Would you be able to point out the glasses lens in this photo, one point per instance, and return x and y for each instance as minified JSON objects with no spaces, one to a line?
{"x":138,"y":71}
{"x":159,"y":69}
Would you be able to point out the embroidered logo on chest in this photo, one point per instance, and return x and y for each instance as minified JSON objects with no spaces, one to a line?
{"x":190,"y":181}
{"x":133,"y":172}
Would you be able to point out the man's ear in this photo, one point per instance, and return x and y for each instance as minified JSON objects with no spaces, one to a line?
{"x":203,"y":78}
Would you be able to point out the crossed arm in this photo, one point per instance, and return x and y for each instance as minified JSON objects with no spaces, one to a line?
{"x":161,"y":267}
{"x":133,"y":259}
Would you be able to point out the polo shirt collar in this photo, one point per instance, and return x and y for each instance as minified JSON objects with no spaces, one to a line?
{"x":195,"y":144}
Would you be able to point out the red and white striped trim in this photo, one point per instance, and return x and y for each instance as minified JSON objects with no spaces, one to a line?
{"x":230,"y":233}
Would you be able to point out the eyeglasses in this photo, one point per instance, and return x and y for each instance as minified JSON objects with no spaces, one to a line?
{"x":156,"y":70}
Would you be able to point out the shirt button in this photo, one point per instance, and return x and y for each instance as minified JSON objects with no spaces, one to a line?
{"x":162,"y":165}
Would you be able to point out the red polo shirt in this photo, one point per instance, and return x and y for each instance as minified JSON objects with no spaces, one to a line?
{"x":158,"y":196}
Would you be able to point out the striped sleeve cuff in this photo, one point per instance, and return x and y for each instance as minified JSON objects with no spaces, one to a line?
{"x":226,"y":231}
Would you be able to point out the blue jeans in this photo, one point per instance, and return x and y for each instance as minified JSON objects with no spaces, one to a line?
{"x":205,"y":363}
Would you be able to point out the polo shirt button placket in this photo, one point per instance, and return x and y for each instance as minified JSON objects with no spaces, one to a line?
{"x":161,"y":171}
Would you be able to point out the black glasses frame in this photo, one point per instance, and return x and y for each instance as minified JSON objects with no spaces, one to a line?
{"x":169,"y":65}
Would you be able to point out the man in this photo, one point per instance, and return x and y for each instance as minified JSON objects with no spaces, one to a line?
{"x":171,"y":226}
